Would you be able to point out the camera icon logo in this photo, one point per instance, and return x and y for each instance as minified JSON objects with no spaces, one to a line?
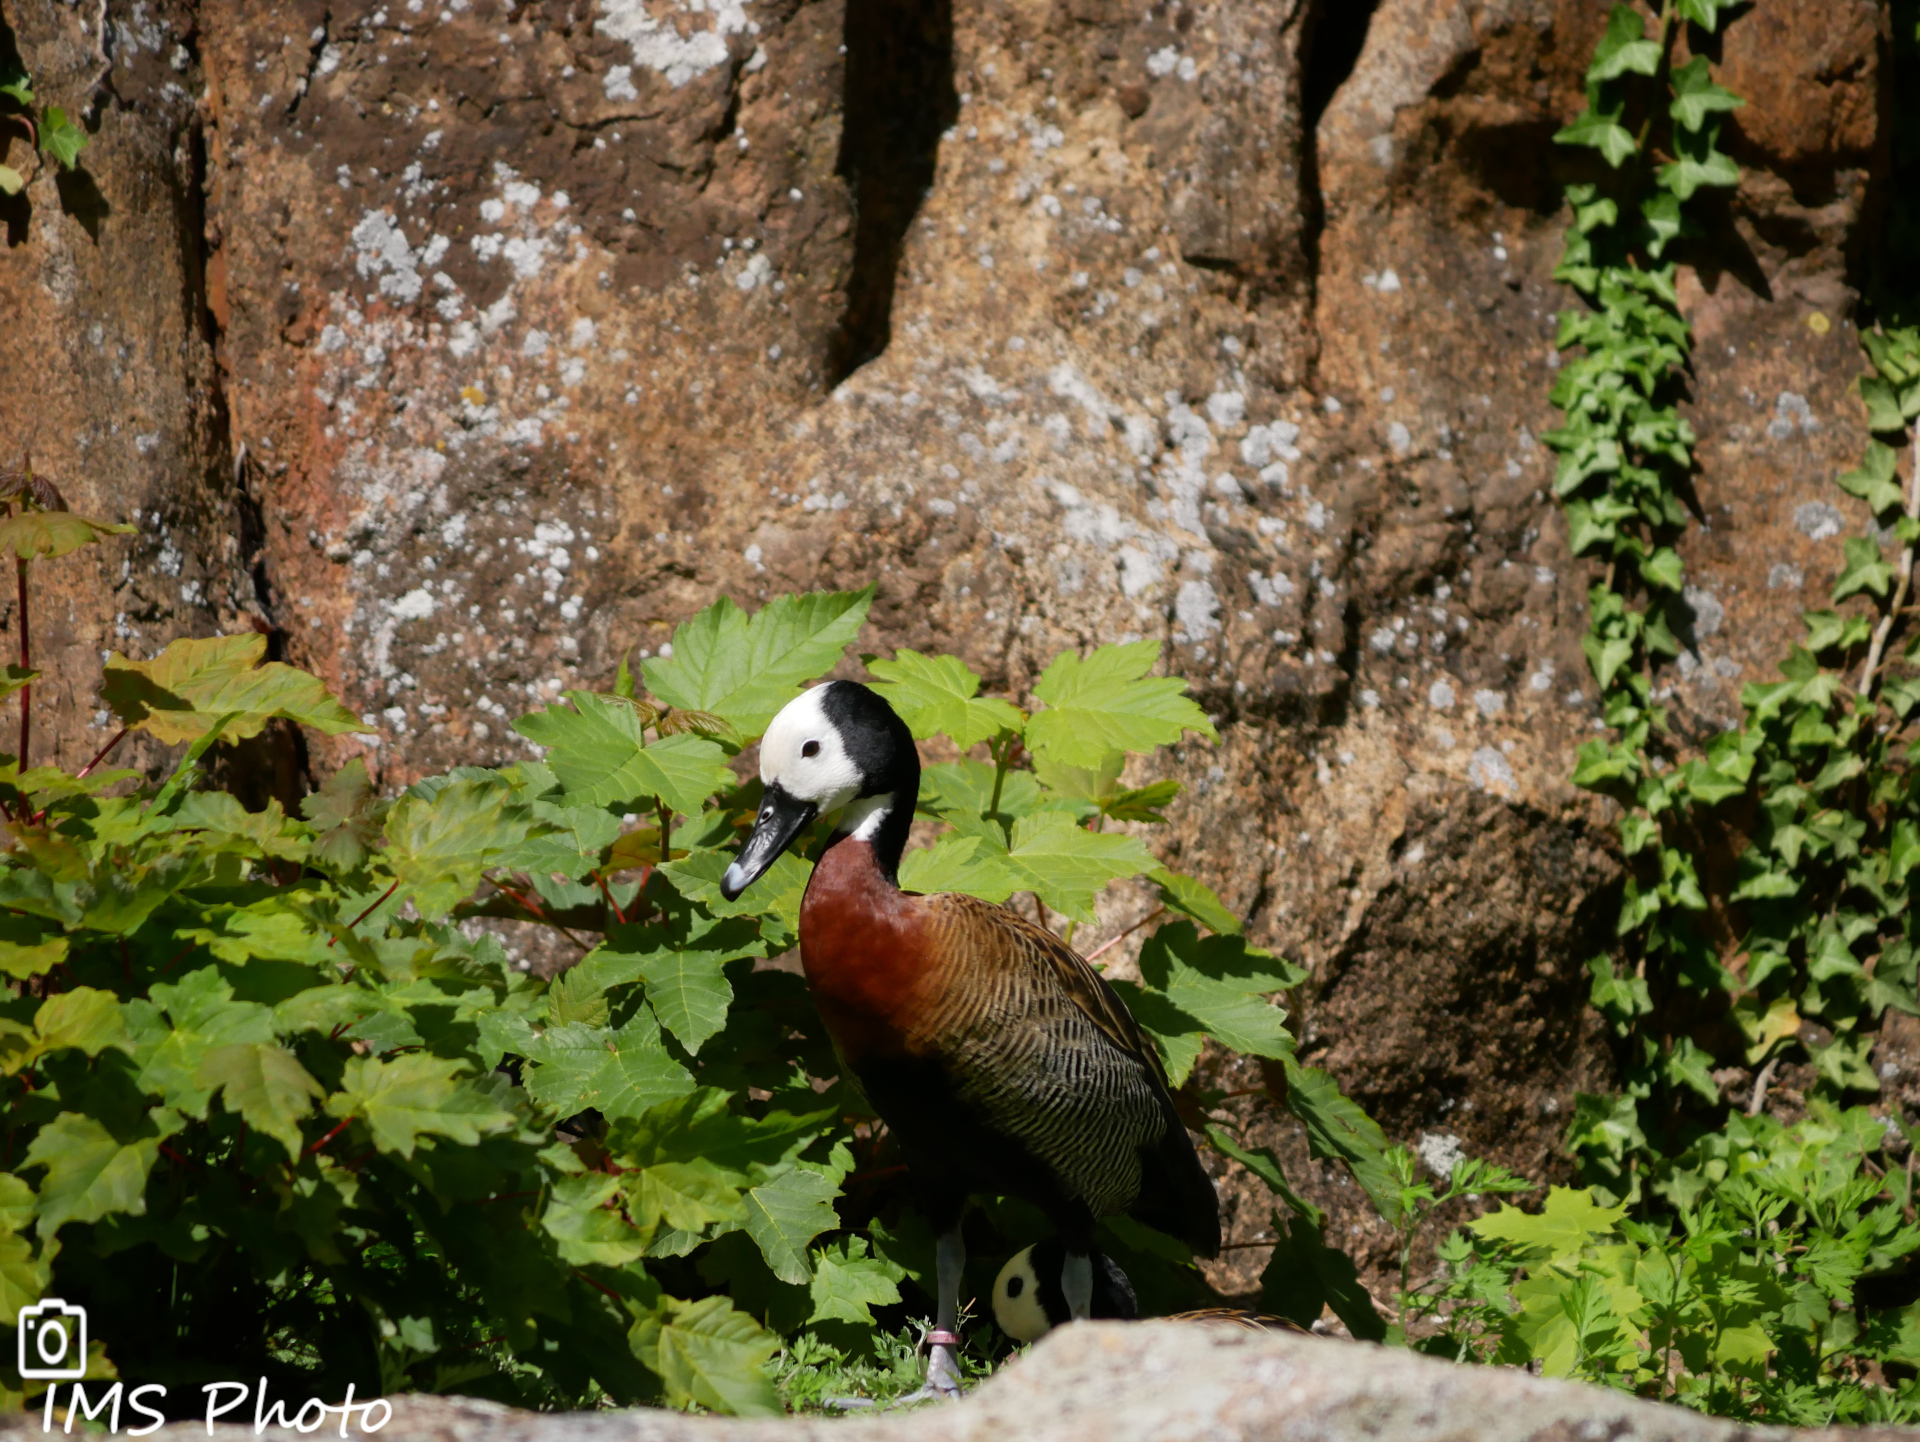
{"x":53,"y":1341}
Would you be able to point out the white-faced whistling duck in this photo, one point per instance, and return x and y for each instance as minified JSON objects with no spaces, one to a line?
{"x":997,"y":1056}
{"x":1029,"y":1297}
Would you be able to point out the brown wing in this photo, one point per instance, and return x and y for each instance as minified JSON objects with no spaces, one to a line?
{"x":1088,"y":990}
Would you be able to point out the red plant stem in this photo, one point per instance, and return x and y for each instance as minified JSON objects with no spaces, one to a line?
{"x":597,"y":1286}
{"x":314,"y":1147}
{"x":26,"y":664}
{"x":534,"y":909}
{"x":176,"y":959}
{"x":174,"y":1156}
{"x":101,"y":755}
{"x":607,"y":892}
{"x":1107,"y":946}
{"x":377,"y":902}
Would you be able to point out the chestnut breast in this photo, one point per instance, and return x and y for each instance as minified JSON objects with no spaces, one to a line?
{"x":865,"y":946}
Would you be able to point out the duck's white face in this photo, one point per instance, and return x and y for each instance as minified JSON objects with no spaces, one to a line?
{"x":1016,"y":1300}
{"x":804,"y":754}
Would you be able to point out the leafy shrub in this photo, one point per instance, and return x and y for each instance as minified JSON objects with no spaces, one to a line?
{"x":279,"y":1104}
{"x":1753,"y":1298}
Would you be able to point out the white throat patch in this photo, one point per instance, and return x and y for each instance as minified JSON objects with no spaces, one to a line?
{"x":806,"y":755}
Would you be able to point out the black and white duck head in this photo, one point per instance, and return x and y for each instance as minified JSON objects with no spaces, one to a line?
{"x":1030,"y":1296}
{"x":838,"y":747}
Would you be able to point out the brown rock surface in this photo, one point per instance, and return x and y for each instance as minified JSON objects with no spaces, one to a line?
{"x":467,"y":343}
{"x":1158,"y":1382}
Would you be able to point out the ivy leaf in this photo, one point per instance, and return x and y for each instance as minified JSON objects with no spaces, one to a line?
{"x":1698,"y":163}
{"x":182,"y":693}
{"x":1624,"y":49}
{"x":1601,"y":130}
{"x":598,"y":752}
{"x":1704,"y":13}
{"x":1337,"y":1128}
{"x":1066,"y":866}
{"x":1696,"y":98}
{"x":12,"y":182}
{"x":439,"y":849}
{"x":1606,"y":657}
{"x":1663,"y":569}
{"x":785,"y":1214}
{"x":709,"y":1355}
{"x":1108,"y":703}
{"x":63,"y":140}
{"x":404,"y":1098}
{"x":266,"y":1085}
{"x":970,"y":864}
{"x":1865,"y":570}
{"x":936,"y":695}
{"x":34,"y":535}
{"x":847,"y":1283}
{"x":619,"y":1072}
{"x":1877,"y":480}
{"x":1661,"y":212}
{"x":745,"y":669}
{"x":1884,"y":411}
{"x":90,"y":1173}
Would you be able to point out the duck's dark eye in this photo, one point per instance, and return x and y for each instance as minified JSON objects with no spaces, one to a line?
{"x":1016,"y":1285}
{"x":812,"y":748}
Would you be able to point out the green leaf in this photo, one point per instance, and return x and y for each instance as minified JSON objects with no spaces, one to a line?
{"x":619,"y":1072}
{"x":1108,"y":703}
{"x":1698,"y":163}
{"x":847,"y":1283}
{"x":1601,"y":130}
{"x":687,"y":1196}
{"x":404,"y":1098}
{"x":1569,"y":1222}
{"x":684,"y":975}
{"x":785,"y":1214}
{"x":200,"y":1016}
{"x":180,"y":694}
{"x":63,"y":140}
{"x":959,"y":863}
{"x":1195,"y":899}
{"x":1661,"y":212}
{"x":24,"y":961}
{"x":745,"y":669}
{"x":12,"y":182}
{"x":936,"y":695}
{"x":84,"y":1019}
{"x":266,"y":1085}
{"x":587,"y":1228}
{"x":347,"y":813}
{"x":33,"y":535}
{"x":1877,"y":480}
{"x":1696,"y":98}
{"x":709,"y":1355}
{"x":439,"y":849}
{"x":90,"y":1173}
{"x":600,"y":756}
{"x":1066,"y":865}
{"x":1337,"y":1128}
{"x":1865,"y":570}
{"x":1662,"y":569}
{"x":1624,"y":49}
{"x":1705,"y":13}
{"x":775,"y":896}
{"x":1884,"y":411}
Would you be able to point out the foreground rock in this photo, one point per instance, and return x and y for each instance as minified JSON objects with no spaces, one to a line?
{"x":1166,"y":1382}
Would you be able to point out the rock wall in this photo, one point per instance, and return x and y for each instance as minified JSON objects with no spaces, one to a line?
{"x":462,"y":345}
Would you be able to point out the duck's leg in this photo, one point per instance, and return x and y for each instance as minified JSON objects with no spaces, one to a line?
{"x":1076,"y":1281}
{"x":943,"y":1342}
